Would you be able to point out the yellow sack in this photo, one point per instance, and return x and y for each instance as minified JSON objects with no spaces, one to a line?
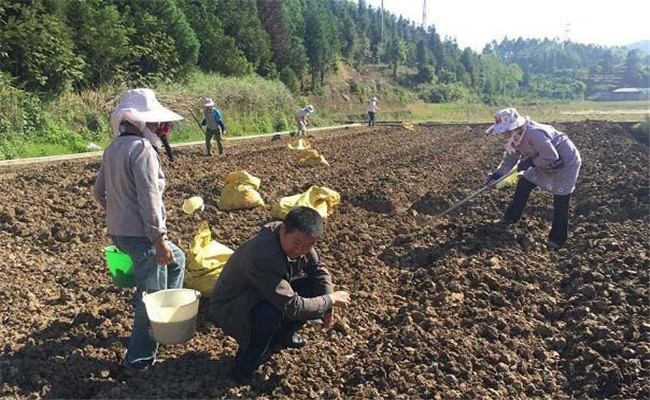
{"x":319,"y":198}
{"x":240,"y":192}
{"x":311,"y":158}
{"x":509,"y":181}
{"x":205,"y":261}
{"x":242,"y":177}
{"x":301,"y":144}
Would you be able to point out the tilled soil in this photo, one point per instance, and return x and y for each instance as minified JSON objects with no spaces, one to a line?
{"x":460,"y":307}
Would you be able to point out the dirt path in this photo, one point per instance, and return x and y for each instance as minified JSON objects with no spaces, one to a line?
{"x":456,"y":308}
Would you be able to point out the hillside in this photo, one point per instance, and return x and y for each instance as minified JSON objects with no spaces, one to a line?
{"x":643,"y":46}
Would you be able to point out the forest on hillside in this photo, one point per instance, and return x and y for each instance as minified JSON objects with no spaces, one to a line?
{"x":48,"y":47}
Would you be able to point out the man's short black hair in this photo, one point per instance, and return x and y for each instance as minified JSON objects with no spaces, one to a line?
{"x":306,"y":220}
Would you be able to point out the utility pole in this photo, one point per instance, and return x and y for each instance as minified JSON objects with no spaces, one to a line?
{"x":424,"y":14}
{"x":567,"y":30}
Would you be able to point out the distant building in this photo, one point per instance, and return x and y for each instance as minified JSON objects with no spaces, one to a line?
{"x":626,"y":94}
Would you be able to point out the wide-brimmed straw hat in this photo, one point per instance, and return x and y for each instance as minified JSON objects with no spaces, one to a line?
{"x":310,"y":108}
{"x":147,"y":106}
{"x":506,"y":120}
{"x":208,"y":102}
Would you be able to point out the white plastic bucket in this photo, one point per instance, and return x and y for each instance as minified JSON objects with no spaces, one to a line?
{"x":172,"y":313}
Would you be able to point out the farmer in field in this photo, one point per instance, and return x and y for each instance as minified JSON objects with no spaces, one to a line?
{"x":550,"y":160}
{"x":372,"y":111}
{"x":163,"y":133}
{"x":301,"y":119}
{"x":271,"y":286}
{"x":129,"y":187}
{"x":215,"y":126}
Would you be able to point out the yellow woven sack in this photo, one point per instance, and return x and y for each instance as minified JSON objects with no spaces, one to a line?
{"x":240,"y":192}
{"x":311,"y":158}
{"x":301,"y":144}
{"x":321,"y":199}
{"x":243,"y":178}
{"x":205,"y":261}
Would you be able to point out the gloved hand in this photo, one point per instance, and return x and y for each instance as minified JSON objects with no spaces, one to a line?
{"x":525,"y":164}
{"x":494,"y":176}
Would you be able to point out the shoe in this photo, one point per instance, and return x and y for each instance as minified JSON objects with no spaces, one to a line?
{"x":551,"y":245}
{"x":294,"y":342}
{"x":141,"y":369}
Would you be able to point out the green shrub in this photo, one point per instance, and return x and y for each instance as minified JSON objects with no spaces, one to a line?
{"x":641,"y":131}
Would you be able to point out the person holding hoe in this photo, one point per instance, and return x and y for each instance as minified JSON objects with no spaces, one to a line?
{"x":549,"y":160}
{"x":271,"y":285}
{"x":215,"y":126}
{"x":130,"y":187}
{"x":301,"y":119}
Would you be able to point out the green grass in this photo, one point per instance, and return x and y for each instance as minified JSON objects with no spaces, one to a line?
{"x":35,"y":149}
{"x":635,"y":111}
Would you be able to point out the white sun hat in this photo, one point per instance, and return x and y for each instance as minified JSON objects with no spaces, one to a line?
{"x":506,"y":120}
{"x":375,"y":99}
{"x":208,"y":102}
{"x":147,"y":106}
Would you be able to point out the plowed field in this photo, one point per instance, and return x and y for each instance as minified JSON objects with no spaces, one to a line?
{"x":454,"y":308}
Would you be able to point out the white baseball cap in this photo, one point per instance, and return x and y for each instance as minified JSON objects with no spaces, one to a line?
{"x":506,"y":120}
{"x":208,"y":102}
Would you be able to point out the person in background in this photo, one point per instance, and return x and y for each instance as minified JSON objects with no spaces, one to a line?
{"x":372,"y":111}
{"x":215,"y":126}
{"x":271,"y":285}
{"x":301,"y":119}
{"x":163,"y":133}
{"x":549,"y":160}
{"x":130,"y":187}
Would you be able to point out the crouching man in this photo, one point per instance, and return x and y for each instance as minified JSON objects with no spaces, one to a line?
{"x":271,"y":286}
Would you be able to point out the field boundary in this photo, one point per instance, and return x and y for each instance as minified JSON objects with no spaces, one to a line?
{"x":7,"y":165}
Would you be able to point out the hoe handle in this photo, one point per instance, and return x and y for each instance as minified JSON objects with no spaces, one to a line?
{"x":476,"y":193}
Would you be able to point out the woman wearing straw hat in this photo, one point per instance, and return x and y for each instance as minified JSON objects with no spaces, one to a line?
{"x":550,"y":161}
{"x":129,"y":187}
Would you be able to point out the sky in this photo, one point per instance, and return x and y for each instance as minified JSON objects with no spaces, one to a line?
{"x":474,"y":23}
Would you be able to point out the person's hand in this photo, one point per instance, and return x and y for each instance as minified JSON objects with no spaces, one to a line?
{"x":340,"y":299}
{"x":164,"y":254}
{"x":328,"y":319}
{"x":493,"y":177}
{"x":525,"y":164}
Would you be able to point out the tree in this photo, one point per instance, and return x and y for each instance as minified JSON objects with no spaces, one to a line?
{"x":396,"y":53}
{"x":40,"y":52}
{"x":164,"y":46}
{"x":607,"y":63}
{"x":100,"y":38}
{"x":632,"y":74}
{"x":218,"y":52}
{"x":240,"y":21}
{"x":321,"y":40}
